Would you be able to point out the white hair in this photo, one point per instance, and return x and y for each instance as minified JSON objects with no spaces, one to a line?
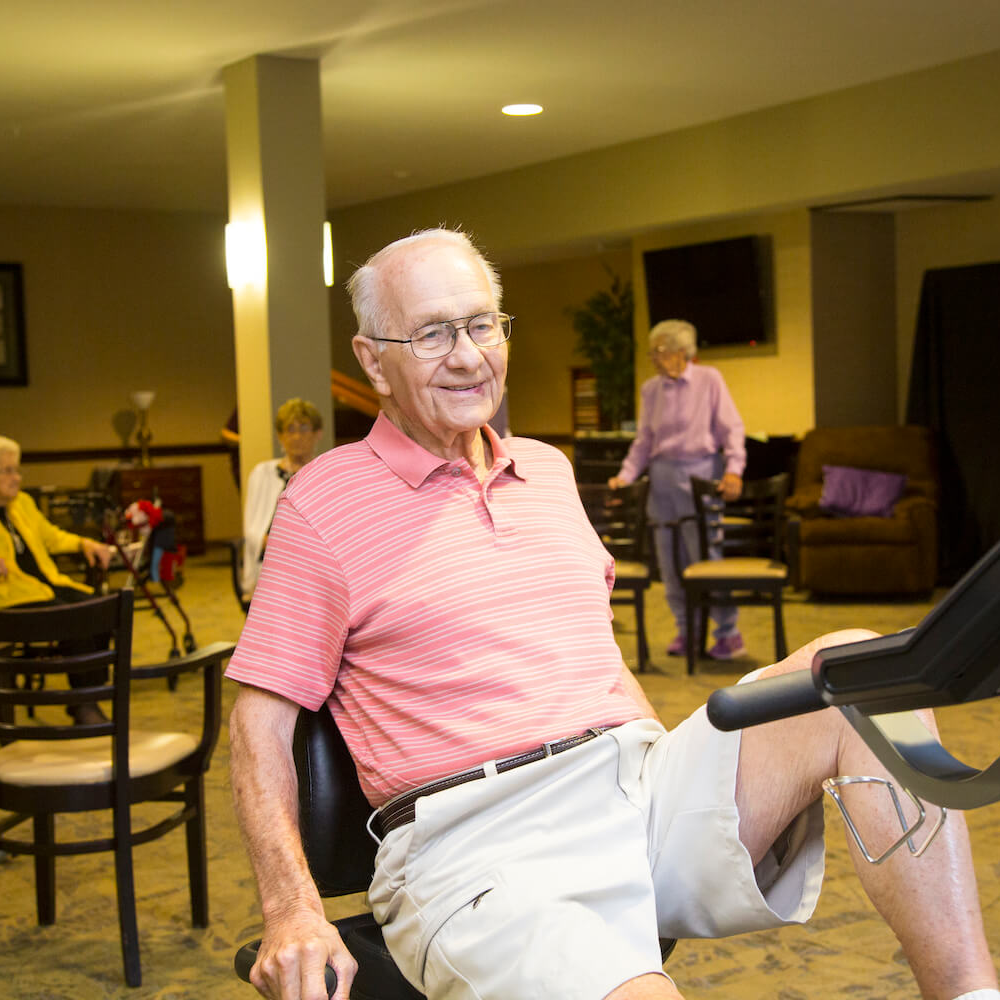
{"x":675,"y":335}
{"x":367,"y":286}
{"x":8,"y":444}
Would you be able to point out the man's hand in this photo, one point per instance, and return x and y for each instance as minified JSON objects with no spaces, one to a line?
{"x":616,"y":482}
{"x":95,"y":552}
{"x":730,"y":486}
{"x":294,"y":951}
{"x":298,"y":941}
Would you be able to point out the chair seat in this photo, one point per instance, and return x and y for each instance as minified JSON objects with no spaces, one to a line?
{"x":88,"y":761}
{"x":736,"y":567}
{"x":627,"y":570}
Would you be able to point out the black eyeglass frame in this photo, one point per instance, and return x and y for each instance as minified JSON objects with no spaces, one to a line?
{"x":505,"y":320}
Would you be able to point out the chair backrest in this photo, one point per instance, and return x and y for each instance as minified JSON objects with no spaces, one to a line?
{"x":751,"y":525}
{"x":909,"y":450}
{"x":67,"y":639}
{"x":618,"y":516}
{"x":333,"y":810}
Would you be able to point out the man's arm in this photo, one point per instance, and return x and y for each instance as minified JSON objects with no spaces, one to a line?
{"x":298,"y":941}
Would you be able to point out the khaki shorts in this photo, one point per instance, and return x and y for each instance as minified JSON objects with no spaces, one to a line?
{"x":556,"y":879}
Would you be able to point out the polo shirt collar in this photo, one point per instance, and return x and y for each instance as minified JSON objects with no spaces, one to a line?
{"x":414,"y":463}
{"x":685,"y":376}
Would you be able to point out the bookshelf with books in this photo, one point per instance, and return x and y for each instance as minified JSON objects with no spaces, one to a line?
{"x":586,"y":406}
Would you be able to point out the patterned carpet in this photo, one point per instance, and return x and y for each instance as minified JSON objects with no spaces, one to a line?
{"x":845,"y":951}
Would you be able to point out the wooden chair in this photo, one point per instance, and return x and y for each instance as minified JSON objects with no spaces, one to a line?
{"x":51,"y":767}
{"x":747,"y":536}
{"x":333,"y":816}
{"x":619,"y":517}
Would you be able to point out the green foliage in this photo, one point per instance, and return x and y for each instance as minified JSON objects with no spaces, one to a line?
{"x":603,"y":327}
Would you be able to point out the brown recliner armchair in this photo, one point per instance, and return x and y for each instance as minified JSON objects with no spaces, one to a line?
{"x":865,"y":555}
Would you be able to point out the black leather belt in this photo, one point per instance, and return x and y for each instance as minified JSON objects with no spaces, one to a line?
{"x":402,"y":809}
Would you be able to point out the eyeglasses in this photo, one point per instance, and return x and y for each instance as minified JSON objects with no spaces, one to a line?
{"x":661,"y":351}
{"x":436,"y":340}
{"x":10,"y":470}
{"x":300,"y":429}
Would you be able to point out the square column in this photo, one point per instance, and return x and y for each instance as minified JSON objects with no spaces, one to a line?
{"x":277,"y":206}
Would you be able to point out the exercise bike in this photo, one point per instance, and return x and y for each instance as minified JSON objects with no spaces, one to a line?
{"x":950,"y":658}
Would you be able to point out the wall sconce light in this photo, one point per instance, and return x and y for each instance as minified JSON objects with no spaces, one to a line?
{"x":327,"y":255}
{"x":246,"y":254}
{"x":142,"y":400}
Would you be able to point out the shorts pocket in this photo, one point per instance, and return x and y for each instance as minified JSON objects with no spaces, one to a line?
{"x":446,"y":910}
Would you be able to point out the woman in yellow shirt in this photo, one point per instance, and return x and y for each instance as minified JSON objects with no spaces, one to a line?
{"x":28,"y":575}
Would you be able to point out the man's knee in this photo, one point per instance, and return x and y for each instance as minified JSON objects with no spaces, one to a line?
{"x":650,"y":987}
{"x":801,"y":658}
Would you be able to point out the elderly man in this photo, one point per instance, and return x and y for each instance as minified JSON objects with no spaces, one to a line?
{"x":440,"y":589}
{"x":688,"y":426}
{"x":28,"y":576}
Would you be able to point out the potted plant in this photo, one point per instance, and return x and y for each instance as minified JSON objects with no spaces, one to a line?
{"x":603,"y":326}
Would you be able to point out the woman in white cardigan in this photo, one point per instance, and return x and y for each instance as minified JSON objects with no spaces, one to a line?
{"x":299,"y":426}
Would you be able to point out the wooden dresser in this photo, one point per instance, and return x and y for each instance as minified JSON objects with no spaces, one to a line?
{"x":178,"y":487}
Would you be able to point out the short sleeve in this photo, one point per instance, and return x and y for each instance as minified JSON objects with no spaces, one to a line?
{"x":297,"y":624}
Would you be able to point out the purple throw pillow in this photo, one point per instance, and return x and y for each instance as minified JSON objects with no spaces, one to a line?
{"x":860,"y":492}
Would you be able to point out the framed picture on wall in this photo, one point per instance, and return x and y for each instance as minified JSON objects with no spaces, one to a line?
{"x":13,"y":350}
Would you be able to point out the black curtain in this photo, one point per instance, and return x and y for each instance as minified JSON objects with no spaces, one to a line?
{"x":955,"y":390}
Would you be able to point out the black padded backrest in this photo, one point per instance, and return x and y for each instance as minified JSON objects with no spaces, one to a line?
{"x":332,"y":808}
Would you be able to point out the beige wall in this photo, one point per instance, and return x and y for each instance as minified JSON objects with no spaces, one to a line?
{"x":543,"y":342}
{"x":880,"y":138}
{"x":773,"y":391}
{"x":922,"y":126}
{"x":114,"y":302}
{"x":119,"y":301}
{"x":854,"y":318}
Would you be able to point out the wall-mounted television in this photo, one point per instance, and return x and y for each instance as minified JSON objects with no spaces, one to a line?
{"x":724,"y":288}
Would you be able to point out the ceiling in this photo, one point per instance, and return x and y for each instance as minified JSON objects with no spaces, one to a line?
{"x":118,"y":103}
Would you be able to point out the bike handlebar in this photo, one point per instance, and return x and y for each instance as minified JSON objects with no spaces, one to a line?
{"x":766,"y":700}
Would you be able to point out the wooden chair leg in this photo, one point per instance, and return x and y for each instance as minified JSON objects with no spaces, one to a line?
{"x":780,"y":646}
{"x":194,"y":796}
{"x":692,"y":639}
{"x":45,"y":868}
{"x":6,"y":711}
{"x":704,"y":604}
{"x":640,"y":631}
{"x":125,"y":885}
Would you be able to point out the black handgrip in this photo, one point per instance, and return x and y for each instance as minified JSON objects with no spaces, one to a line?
{"x":771,"y":698}
{"x":247,"y":955}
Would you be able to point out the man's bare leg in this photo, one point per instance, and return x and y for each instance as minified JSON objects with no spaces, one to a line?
{"x":931,"y":902}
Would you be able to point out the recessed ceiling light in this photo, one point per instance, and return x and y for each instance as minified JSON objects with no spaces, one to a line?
{"x":522,"y":109}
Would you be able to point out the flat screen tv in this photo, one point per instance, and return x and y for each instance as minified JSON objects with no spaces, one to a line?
{"x":724,"y":288}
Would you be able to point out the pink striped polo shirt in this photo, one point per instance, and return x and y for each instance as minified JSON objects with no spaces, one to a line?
{"x":445,"y":621}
